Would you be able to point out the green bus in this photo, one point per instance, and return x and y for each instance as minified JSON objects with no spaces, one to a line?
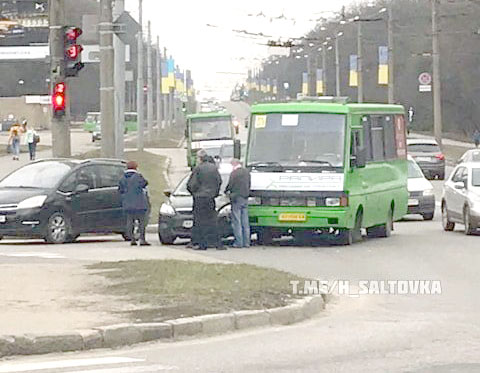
{"x":326,"y":167}
{"x":209,"y":131}
{"x":92,"y":120}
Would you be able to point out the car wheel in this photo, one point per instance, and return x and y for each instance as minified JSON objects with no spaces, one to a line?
{"x":446,"y":223}
{"x":344,"y":237}
{"x":166,"y":238}
{"x":428,"y":216}
{"x":126,"y":237}
{"x":441,"y":176}
{"x":384,"y":230}
{"x":357,"y":230}
{"x":58,"y":229}
{"x":469,"y":228}
{"x":265,"y":236}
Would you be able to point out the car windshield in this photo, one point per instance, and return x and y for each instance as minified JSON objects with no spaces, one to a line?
{"x":297,"y":139}
{"x":211,"y":128}
{"x":182,"y":191}
{"x":37,"y":175}
{"x":423,"y":148}
{"x":476,"y":177}
{"x":414,"y":171}
{"x":473,"y":156}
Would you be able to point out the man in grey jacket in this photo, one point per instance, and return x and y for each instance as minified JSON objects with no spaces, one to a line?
{"x":204,"y":185}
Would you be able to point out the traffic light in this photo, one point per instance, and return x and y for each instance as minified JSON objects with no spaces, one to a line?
{"x":58,"y":99}
{"x":73,"y":51}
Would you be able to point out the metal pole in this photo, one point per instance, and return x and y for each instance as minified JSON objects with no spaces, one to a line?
{"x":437,"y":94}
{"x":149,"y":82}
{"x":324,"y":67}
{"x":60,"y":125}
{"x":312,"y":80}
{"x":107,"y":88}
{"x":166,"y":97}
{"x":391,"y":83}
{"x":119,"y":49}
{"x":337,"y":68}
{"x":140,"y":95}
{"x":158,"y":86}
{"x":360,"y":62}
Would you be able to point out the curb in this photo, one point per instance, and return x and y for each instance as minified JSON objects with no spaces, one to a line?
{"x":127,"y":334}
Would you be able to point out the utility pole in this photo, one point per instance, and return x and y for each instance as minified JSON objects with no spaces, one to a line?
{"x":166,"y":112}
{"x":324,"y":69}
{"x":158,"y":86}
{"x":437,"y":93}
{"x":149,"y":82}
{"x":359,"y":61}
{"x":119,"y":51}
{"x":337,"y":67}
{"x":107,"y":88}
{"x":312,"y":75}
{"x":60,"y":124}
{"x":140,"y":84}
{"x":391,"y":83}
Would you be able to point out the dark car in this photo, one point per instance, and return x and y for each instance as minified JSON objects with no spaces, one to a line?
{"x":176,"y":217}
{"x":429,"y":156}
{"x":59,"y":199}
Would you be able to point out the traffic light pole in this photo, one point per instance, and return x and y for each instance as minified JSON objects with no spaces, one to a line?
{"x":107,"y":88}
{"x":437,"y":92}
{"x":119,"y":49}
{"x":60,"y":124}
{"x":149,"y":82}
{"x":140,"y":94}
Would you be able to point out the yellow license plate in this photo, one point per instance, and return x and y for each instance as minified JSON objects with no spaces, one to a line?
{"x":292,"y":217}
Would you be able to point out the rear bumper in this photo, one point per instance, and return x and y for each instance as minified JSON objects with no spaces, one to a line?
{"x":432,"y":169}
{"x":426,"y":205}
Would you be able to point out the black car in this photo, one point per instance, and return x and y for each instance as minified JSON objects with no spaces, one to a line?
{"x":176,"y":218}
{"x":59,"y":199}
{"x":429,"y":156}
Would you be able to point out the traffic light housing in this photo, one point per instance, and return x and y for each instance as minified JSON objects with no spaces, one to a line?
{"x":72,"y":51}
{"x":58,"y":99}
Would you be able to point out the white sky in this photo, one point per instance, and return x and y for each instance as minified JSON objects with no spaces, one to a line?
{"x":182,"y":27}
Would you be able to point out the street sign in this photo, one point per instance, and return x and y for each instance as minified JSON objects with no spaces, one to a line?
{"x":425,"y":88}
{"x":425,"y":79}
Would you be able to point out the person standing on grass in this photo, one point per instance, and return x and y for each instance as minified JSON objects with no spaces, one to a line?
{"x":135,"y":202}
{"x":31,"y":138}
{"x":204,"y":185}
{"x":14,"y":140}
{"x":239,"y":190}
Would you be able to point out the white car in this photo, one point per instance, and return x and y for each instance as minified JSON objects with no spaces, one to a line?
{"x":421,"y":199}
{"x":461,"y":198}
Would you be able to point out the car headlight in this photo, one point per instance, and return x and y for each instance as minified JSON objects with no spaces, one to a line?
{"x":428,"y":192}
{"x":336,"y":201}
{"x":32,"y":202}
{"x":225,"y":211}
{"x":254,"y":201}
{"x":167,"y":209}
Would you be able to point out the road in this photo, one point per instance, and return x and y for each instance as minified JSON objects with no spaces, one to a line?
{"x":369,"y":333}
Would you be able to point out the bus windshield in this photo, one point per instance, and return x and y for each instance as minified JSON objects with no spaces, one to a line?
{"x":301,"y":140}
{"x":211,"y":129}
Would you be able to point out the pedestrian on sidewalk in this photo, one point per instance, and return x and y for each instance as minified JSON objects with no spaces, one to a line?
{"x":14,"y":140}
{"x":31,"y":139}
{"x":476,"y":138}
{"x":135,"y":202}
{"x":238,"y":189}
{"x":204,"y":185}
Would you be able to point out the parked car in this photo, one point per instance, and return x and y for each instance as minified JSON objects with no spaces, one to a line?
{"x":176,"y":217}
{"x":421,"y":199}
{"x":429,"y":156}
{"x":472,"y":155}
{"x":97,"y":133}
{"x":461,"y":198}
{"x":58,"y":200}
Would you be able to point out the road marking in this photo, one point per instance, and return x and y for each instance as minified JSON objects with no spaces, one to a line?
{"x":130,"y":369}
{"x":34,"y":255}
{"x":62,"y":364}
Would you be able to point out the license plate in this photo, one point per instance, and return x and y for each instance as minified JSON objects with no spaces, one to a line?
{"x":413,"y":202}
{"x":3,"y":219}
{"x":292,"y":217}
{"x":188,"y":224}
{"x":424,"y":159}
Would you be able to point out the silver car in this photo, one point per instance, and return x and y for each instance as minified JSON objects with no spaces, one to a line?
{"x":461,"y":198}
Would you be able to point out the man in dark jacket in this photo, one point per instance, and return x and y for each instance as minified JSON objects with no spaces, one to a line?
{"x":239,"y":190}
{"x":204,"y":185}
{"x":134,"y":201}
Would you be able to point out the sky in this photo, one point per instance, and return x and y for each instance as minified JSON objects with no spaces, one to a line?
{"x":199,"y":34}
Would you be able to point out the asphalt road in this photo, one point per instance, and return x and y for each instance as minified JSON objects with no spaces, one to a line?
{"x":367,"y":333}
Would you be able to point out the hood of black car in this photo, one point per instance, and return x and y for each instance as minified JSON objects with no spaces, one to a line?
{"x":10,"y":196}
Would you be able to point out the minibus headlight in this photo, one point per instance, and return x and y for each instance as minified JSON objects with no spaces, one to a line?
{"x":336,"y":201}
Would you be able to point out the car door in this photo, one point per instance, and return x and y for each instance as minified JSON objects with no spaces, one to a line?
{"x":454,"y":196}
{"x":109,"y":197}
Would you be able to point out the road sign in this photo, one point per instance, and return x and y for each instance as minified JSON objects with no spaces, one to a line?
{"x":425,"y":88}
{"x":425,"y":79}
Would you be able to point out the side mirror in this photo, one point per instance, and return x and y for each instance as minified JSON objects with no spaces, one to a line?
{"x":459,"y":185}
{"x":360,"y":159}
{"x":237,"y":149}
{"x":167,"y":193}
{"x":81,"y":188}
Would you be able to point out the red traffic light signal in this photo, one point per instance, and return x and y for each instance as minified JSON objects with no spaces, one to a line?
{"x":58,"y":99}
{"x":72,"y":51}
{"x":73,"y":33}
